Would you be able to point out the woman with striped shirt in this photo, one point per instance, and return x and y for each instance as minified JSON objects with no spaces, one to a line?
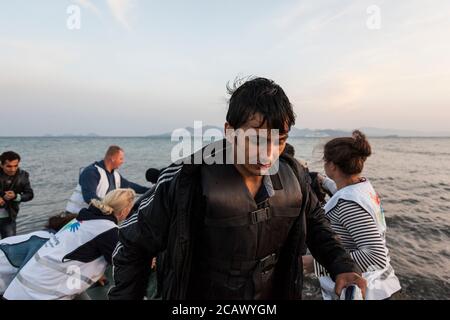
{"x":356,"y":215}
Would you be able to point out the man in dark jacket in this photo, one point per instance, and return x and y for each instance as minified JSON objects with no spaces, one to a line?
{"x":232,"y":230}
{"x":14,"y":188}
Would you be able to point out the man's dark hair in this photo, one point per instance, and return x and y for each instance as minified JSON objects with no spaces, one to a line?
{"x":259,"y":95}
{"x":9,"y":156}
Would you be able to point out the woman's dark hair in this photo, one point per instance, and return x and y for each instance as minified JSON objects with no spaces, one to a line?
{"x":259,"y":95}
{"x":348,"y":153}
{"x":289,"y":150}
{"x":60,"y":220}
{"x":9,"y":156}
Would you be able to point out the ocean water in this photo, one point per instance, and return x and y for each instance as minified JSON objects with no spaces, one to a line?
{"x":412,"y":175}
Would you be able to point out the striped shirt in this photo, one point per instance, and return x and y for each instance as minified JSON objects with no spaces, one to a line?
{"x":359,"y":235}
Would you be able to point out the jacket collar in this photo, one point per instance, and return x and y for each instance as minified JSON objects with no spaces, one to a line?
{"x":101,"y":164}
{"x":93,"y":213}
{"x":12,"y":177}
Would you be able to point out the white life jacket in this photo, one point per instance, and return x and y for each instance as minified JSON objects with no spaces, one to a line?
{"x":51,"y":276}
{"x":76,"y":201}
{"x":8,"y":264}
{"x":381,"y":283}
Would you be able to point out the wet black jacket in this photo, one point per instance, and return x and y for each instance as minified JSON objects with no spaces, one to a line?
{"x":167,"y":220}
{"x":20,"y":184}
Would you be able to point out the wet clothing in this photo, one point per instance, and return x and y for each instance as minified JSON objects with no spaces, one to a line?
{"x":225,"y":268}
{"x":191,"y":211}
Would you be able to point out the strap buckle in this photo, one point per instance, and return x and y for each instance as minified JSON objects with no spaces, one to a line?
{"x":259,"y":215}
{"x":267,"y":262}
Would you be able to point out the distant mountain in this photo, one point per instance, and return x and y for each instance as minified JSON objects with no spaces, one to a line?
{"x":377,"y":132}
{"x":323,"y":133}
{"x":298,"y":133}
{"x":316,"y":133}
{"x":369,"y":131}
{"x":295,"y":132}
{"x":70,"y":135}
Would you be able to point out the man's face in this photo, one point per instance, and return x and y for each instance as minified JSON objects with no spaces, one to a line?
{"x":118,"y":159}
{"x":10,"y":167}
{"x":262,"y":146}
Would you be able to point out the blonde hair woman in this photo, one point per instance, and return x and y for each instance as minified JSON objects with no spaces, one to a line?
{"x":76,"y":257}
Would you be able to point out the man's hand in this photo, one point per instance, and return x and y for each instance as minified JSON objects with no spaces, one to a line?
{"x":308,"y":264}
{"x":344,"y":280}
{"x":10,"y":195}
{"x":103,"y":281}
{"x":2,"y":202}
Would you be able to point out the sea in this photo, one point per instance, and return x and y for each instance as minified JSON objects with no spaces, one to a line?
{"x":412,"y":176}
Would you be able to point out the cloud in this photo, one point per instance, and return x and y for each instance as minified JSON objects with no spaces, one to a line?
{"x":120,"y":9}
{"x":90,"y":6}
{"x":290,"y":16}
{"x":308,"y":17}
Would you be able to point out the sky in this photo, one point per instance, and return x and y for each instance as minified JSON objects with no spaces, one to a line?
{"x":135,"y":67}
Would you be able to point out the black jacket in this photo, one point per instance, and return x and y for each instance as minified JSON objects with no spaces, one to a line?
{"x":168,"y":219}
{"x":20,"y":184}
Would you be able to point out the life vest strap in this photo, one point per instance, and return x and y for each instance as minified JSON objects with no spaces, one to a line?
{"x":242,"y":267}
{"x":253,"y":217}
{"x":37,"y":288}
{"x":54,"y":265}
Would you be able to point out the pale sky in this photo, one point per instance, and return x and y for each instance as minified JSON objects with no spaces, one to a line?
{"x":140,"y":67}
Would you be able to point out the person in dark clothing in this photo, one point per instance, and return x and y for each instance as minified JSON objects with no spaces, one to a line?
{"x":99,"y":178}
{"x":233,"y":230}
{"x":15,"y":188}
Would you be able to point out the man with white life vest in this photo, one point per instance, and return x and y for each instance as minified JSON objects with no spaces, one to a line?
{"x":76,"y":257}
{"x":99,"y":178}
{"x":232,"y":230}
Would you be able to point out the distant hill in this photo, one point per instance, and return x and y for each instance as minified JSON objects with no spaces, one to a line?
{"x":377,"y":132}
{"x":317,"y":133}
{"x":300,"y":133}
{"x":295,"y":132}
{"x":70,"y":135}
{"x":190,"y":129}
{"x":323,"y":133}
